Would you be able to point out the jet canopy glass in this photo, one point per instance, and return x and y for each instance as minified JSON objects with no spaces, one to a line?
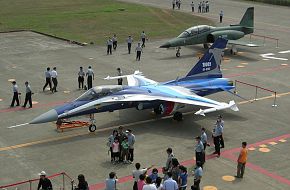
{"x":193,"y":31}
{"x":99,"y":92}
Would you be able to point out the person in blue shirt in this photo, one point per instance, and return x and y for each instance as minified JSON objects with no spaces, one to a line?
{"x":198,"y":172}
{"x":111,"y":182}
{"x":154,"y":175}
{"x":182,"y":180}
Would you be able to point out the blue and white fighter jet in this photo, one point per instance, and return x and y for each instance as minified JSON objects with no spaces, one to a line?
{"x":165,"y":98}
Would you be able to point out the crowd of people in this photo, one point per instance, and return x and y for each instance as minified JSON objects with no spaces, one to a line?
{"x":202,"y":6}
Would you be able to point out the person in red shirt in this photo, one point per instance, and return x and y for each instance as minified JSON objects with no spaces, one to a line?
{"x":242,"y":161}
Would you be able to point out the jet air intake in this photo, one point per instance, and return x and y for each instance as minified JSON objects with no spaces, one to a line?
{"x":227,"y":34}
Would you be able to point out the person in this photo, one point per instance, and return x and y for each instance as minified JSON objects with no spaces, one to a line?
{"x":138,"y":51}
{"x":192,"y":6}
{"x":131,"y":141}
{"x":149,"y":185}
{"x":197,"y":177}
{"x":158,"y":183}
{"x":111,"y":182}
{"x":129,"y":42}
{"x":221,"y":16}
{"x":125,"y":150}
{"x":154,"y":175}
{"x":90,"y":77}
{"x":207,"y":6}
{"x":47,"y":79}
{"x":83,"y":184}
{"x":110,"y":143}
{"x":109,"y":46}
{"x":199,"y":150}
{"x":136,"y":174}
{"x":120,"y":80}
{"x":44,"y":182}
{"x":170,"y":155}
{"x":175,"y":169}
{"x":216,"y":140}
{"x":203,"y":138}
{"x":199,"y":7}
{"x":179,"y":4}
{"x":15,"y":94}
{"x":115,"y":42}
{"x":182,"y":179}
{"x":220,"y":122}
{"x":116,"y":151}
{"x":54,"y":79}
{"x":242,"y":160}
{"x":120,"y":137}
{"x":170,"y":184}
{"x":141,"y":182}
{"x":173,"y":4}
{"x":81,"y":79}
{"x":143,"y":38}
{"x":27,"y":95}
{"x":203,"y":7}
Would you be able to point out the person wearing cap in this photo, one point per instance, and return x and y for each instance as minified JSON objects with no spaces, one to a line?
{"x":220,"y":123}
{"x":47,"y":79}
{"x":199,"y":150}
{"x":15,"y":94}
{"x":54,"y":79}
{"x":138,"y":50}
{"x":44,"y":182}
{"x":27,"y":95}
{"x":115,"y":42}
{"x":129,"y":42}
{"x":131,"y":142}
{"x":90,"y":77}
{"x":81,"y":75}
{"x":120,"y":80}
{"x":198,"y":172}
{"x":217,"y":131}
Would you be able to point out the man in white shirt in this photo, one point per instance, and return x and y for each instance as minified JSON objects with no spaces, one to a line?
{"x":136,"y":174}
{"x":138,"y":51}
{"x":53,"y":74}
{"x":170,"y":184}
{"x":27,"y":95}
{"x":129,"y":42}
{"x":149,"y":185}
{"x":109,"y":46}
{"x":90,"y":77}
{"x":15,"y":94}
{"x":47,"y":79}
{"x":143,"y":38}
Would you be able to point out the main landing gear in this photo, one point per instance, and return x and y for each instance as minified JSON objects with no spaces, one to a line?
{"x":178,"y":116}
{"x":178,"y":51}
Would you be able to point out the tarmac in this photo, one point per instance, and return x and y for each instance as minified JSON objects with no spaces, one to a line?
{"x":29,"y":149}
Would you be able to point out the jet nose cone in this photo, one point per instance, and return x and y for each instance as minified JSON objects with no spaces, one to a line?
{"x":166,"y":45}
{"x":46,"y":117}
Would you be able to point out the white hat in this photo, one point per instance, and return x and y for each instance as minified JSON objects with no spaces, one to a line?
{"x":42,"y":173}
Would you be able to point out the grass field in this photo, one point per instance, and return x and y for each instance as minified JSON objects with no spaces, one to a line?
{"x":274,"y":2}
{"x":93,"y":20}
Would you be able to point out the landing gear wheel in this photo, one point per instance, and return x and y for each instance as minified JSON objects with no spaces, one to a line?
{"x":178,"y":116}
{"x":157,"y":111}
{"x":92,"y":128}
{"x":178,"y":51}
{"x":177,"y":54}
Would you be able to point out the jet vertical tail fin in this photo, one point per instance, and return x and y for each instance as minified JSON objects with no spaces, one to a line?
{"x":209,"y":65}
{"x":248,"y":20}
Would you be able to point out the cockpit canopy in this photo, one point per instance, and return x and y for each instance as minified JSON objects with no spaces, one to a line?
{"x":195,"y":30}
{"x":99,"y":92}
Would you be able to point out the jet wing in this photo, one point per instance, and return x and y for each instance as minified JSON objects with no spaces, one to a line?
{"x":135,"y":79}
{"x":242,"y":43}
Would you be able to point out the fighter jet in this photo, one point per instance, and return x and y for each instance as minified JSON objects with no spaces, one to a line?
{"x":166,"y":98}
{"x":204,"y":34}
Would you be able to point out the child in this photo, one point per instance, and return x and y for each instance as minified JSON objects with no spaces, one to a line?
{"x":182,"y":180}
{"x":116,"y":150}
{"x":111,"y":182}
{"x":154,"y":175}
{"x":125,"y":150}
{"x":158,"y":183}
{"x":141,"y":182}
